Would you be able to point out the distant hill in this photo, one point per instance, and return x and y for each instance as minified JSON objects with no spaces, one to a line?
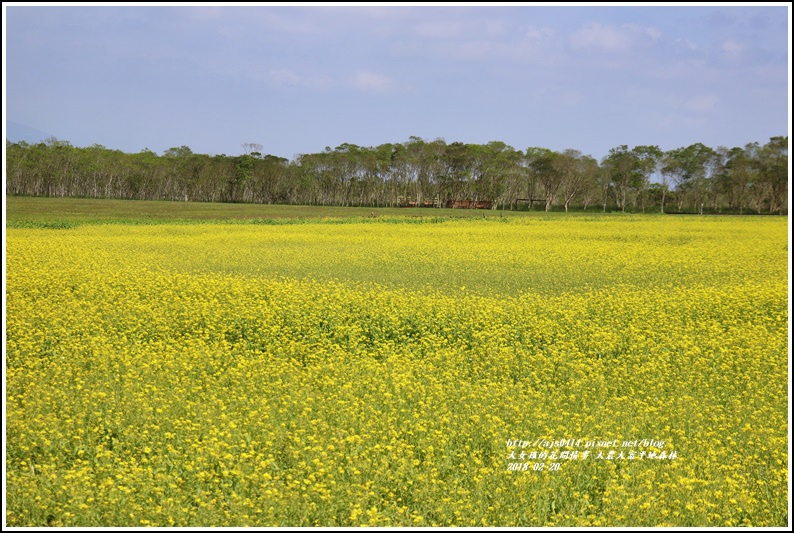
{"x":16,"y":132}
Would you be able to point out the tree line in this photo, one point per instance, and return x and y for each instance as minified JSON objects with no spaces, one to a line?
{"x":695,"y":178}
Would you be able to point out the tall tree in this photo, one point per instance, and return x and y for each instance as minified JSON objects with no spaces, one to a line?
{"x":542,"y":165}
{"x":734,"y":173}
{"x":772,"y":164}
{"x":243,"y":172}
{"x":415,"y":172}
{"x":574,"y":170}
{"x":690,"y":168}
{"x":648,"y":159}
{"x":457,"y":170}
{"x":624,"y":170}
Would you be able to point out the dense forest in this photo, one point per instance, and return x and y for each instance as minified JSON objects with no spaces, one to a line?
{"x":696,"y":179}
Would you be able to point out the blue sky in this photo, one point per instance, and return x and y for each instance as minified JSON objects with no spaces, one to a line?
{"x":298,"y":79}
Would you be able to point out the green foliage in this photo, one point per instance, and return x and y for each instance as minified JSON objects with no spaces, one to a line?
{"x":416,"y":172}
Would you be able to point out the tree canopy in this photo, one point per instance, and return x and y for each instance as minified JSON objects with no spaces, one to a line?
{"x":418,"y":172}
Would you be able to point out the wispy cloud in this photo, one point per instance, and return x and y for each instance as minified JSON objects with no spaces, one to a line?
{"x":371,"y":82}
{"x":490,"y":40}
{"x":537,"y":33}
{"x":363,"y":80}
{"x":599,"y":37}
{"x":440,"y":29}
{"x":702,"y":103}
{"x":570,"y":98}
{"x":205,"y":12}
{"x":650,"y":32}
{"x":732,"y":49}
{"x":732,"y":46}
{"x":285,"y":77}
{"x":511,"y":65}
{"x":291,"y":78}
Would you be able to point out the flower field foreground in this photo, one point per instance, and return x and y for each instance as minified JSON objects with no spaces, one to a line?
{"x":616,"y":370}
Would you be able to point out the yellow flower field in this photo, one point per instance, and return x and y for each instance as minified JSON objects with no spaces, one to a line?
{"x":386,"y":373}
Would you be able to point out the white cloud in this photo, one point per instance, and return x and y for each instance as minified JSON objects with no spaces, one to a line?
{"x":288,"y":77}
{"x":534,"y":33}
{"x":494,"y":27}
{"x":702,"y":103}
{"x":732,"y":49}
{"x":371,"y":82}
{"x":771,"y":72}
{"x":285,"y":77}
{"x":676,"y":70}
{"x":475,"y":49}
{"x":596,"y":36}
{"x":677,"y":123}
{"x":686,"y":44}
{"x":527,"y":44}
{"x":571,"y":98}
{"x":439,"y":29}
{"x":643,"y":31}
{"x":600,"y":37}
{"x":363,"y":80}
{"x":287,"y":21}
{"x":654,"y":33}
{"x":206,"y":12}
